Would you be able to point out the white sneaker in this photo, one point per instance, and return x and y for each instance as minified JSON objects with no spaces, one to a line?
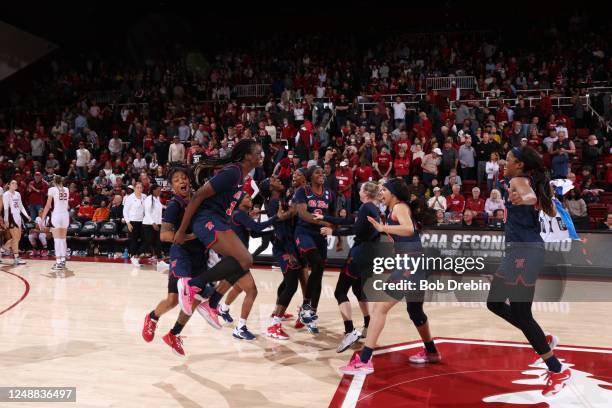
{"x":364,"y":332}
{"x":135,"y":261}
{"x":19,"y":261}
{"x":162,"y":266}
{"x":348,"y":340}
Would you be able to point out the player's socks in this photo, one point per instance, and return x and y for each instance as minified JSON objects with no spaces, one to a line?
{"x":366,"y":354}
{"x":553,"y":364}
{"x":153,"y":316}
{"x":223,"y":307}
{"x":430,"y":347}
{"x":241,"y":323}
{"x":276,"y":320}
{"x":177,"y":329}
{"x":348,"y":326}
{"x":366,"y":321}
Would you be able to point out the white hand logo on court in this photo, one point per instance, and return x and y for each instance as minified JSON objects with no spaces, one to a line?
{"x":582,"y":390}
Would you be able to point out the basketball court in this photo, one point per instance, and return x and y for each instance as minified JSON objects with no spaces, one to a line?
{"x":84,"y":330}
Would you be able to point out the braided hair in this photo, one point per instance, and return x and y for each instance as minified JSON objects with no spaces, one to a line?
{"x":200,"y":172}
{"x":533,"y":165}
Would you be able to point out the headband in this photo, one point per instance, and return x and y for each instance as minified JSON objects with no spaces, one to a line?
{"x":516,"y":152}
{"x":391,"y":187}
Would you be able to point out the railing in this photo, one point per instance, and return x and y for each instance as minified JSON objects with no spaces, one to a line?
{"x":106,"y":97}
{"x":556,"y":101}
{"x":445,"y":83}
{"x":252,"y":90}
{"x":599,"y":117}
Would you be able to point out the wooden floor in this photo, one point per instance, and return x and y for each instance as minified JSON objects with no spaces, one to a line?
{"x":84,"y":330}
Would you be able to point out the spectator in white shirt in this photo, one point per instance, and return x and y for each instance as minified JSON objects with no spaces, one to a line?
{"x":494,"y":202}
{"x":83,"y":157}
{"x":133,"y":214}
{"x":298,"y":114}
{"x":115,"y":146}
{"x":139,"y":163}
{"x":176,"y":151}
{"x":151,"y":223}
{"x":399,"y":112}
{"x":492,"y":170}
{"x":438,"y":201}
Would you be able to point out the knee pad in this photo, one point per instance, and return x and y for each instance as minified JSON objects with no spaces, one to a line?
{"x":416,"y":314}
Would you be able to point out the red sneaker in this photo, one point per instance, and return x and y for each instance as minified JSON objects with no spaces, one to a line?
{"x":176,"y":343}
{"x":423,"y":357}
{"x":276,"y":332}
{"x":298,"y":323}
{"x":553,"y":341}
{"x":148,"y":329}
{"x":555,"y":382}
{"x":44,"y":252}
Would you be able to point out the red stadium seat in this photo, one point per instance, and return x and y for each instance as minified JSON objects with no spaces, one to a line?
{"x":468,"y":185}
{"x":597,"y":210}
{"x":583,"y":133}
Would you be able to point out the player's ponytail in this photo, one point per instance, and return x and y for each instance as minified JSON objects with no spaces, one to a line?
{"x":533,"y":165}
{"x":58,"y":181}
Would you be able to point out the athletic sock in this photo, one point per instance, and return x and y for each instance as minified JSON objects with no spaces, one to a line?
{"x":223,"y":307}
{"x":366,"y":321}
{"x":276,"y":320}
{"x":177,"y":329}
{"x":348,"y":326}
{"x":241,"y":323}
{"x":553,"y":364}
{"x":366,"y":354}
{"x":430,"y":347}
{"x":306,"y":302}
{"x":214,"y":299}
{"x":153,"y":316}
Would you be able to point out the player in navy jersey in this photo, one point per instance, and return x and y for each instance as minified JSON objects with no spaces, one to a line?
{"x":186,"y":260}
{"x":285,"y":251}
{"x":515,"y":280}
{"x":401,"y":228}
{"x":351,"y":275}
{"x":244,"y":226}
{"x":208,"y":214}
{"x":313,"y":199}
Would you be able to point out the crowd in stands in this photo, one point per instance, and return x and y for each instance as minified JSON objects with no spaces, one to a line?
{"x":162,"y":114}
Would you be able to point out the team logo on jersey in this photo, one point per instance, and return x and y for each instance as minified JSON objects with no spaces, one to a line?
{"x":519,"y":263}
{"x":318,"y":204}
{"x":209,"y":225}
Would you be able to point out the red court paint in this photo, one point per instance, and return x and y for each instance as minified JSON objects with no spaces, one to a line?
{"x":23,"y":296}
{"x":476,"y":373}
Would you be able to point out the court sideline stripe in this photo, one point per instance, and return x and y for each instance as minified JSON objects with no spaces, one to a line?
{"x":354,"y":389}
{"x":23,"y":296}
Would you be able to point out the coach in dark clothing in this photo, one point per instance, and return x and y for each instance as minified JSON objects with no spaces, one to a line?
{"x":161,"y":150}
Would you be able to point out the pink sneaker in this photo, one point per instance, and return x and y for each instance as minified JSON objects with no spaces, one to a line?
{"x":209,"y":314}
{"x":356,"y":366}
{"x":423,"y":357}
{"x":186,"y":294}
